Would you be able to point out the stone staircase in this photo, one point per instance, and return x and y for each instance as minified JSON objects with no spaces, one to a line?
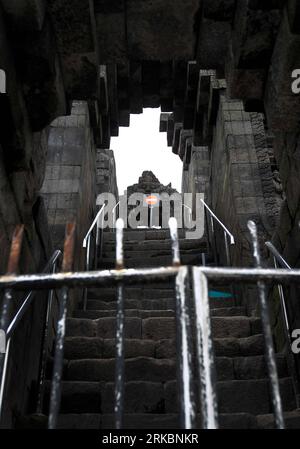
{"x":150,"y":366}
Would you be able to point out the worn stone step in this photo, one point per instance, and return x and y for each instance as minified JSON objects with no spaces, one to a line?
{"x":102,"y":327}
{"x":86,"y":347}
{"x":155,"y":261}
{"x":171,"y":421}
{"x":247,"y":368}
{"x":142,"y":304}
{"x":291,"y":420}
{"x":139,"y":313}
{"x":144,"y":313}
{"x":184,"y":244}
{"x":95,"y":348}
{"x":239,"y":368}
{"x":138,"y":369}
{"x":98,"y":397}
{"x":159,"y":303}
{"x":86,"y":421}
{"x":148,"y":254}
{"x":160,"y":328}
{"x":147,"y":291}
{"x":233,"y":347}
{"x":143,"y":234}
{"x":240,"y":396}
{"x":235,"y":397}
{"x":107,"y":421}
{"x":228,"y":311}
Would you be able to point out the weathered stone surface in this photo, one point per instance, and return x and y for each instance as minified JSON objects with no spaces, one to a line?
{"x":148,"y":26}
{"x":142,"y":397}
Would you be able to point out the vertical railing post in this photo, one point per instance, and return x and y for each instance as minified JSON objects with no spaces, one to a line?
{"x":55,"y":394}
{"x":183,"y":337}
{"x":3,"y":374}
{"x":120,"y":329}
{"x":214,"y":241}
{"x":227,"y":250}
{"x":184,"y":352}
{"x":87,"y":268}
{"x":205,"y":353}
{"x":44,"y":354}
{"x":269,"y":346}
{"x":6,"y":307}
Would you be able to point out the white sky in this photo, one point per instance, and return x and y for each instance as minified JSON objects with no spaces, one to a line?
{"x":142,"y":147}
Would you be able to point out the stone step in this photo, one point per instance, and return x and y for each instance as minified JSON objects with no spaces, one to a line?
{"x":291,"y":420}
{"x":160,"y":328}
{"x":241,"y":396}
{"x":144,"y":234}
{"x":234,"y":396}
{"x":142,"y":304}
{"x":234,"y":347}
{"x":155,"y":304}
{"x":138,"y":369}
{"x":143,"y":313}
{"x":184,"y":244}
{"x":239,"y":368}
{"x":149,"y":421}
{"x":139,"y":313}
{"x":149,"y":255}
{"x":86,"y":421}
{"x":99,"y":348}
{"x":155,"y":261}
{"x":151,"y":291}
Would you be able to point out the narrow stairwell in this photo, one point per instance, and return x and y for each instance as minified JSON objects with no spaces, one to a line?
{"x":150,"y":351}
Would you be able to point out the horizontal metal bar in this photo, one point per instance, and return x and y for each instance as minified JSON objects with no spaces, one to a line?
{"x":132,"y":276}
{"x":273,"y":250}
{"x":92,"y":226}
{"x":86,"y":278}
{"x":232,"y":240}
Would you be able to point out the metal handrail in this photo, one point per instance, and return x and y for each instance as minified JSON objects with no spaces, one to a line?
{"x":279,"y":261}
{"x":50,"y":266}
{"x":88,"y":234}
{"x":282,"y":262}
{"x":226,"y":233}
{"x":87,"y":244}
{"x":232,"y":239}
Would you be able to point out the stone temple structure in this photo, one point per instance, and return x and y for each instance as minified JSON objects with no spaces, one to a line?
{"x":148,"y":183}
{"x":224,"y":75}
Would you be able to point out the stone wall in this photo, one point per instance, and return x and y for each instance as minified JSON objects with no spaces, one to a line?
{"x":106,"y":180}
{"x":69,"y":188}
{"x":20,"y":202}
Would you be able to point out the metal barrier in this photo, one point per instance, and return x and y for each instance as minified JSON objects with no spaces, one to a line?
{"x":200,"y":321}
{"x":9,"y":327}
{"x":98,"y":246}
{"x":279,"y":261}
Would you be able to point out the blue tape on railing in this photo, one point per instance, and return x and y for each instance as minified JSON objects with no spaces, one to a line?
{"x":216,"y":294}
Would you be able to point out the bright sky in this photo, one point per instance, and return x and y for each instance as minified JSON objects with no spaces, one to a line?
{"x":142,"y":147}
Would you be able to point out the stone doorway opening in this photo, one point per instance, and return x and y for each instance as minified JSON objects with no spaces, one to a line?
{"x":140,"y":148}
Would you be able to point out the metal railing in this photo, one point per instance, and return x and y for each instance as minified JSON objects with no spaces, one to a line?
{"x":200,"y":321}
{"x":98,"y":244}
{"x":9,"y":326}
{"x":279,"y":261}
{"x":228,"y":237}
{"x":204,"y":389}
